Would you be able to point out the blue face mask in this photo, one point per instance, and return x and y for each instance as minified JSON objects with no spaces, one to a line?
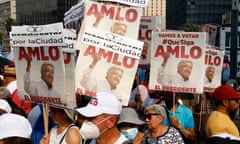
{"x":130,"y":134}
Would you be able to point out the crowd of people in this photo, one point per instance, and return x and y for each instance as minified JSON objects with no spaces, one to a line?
{"x":152,"y":117}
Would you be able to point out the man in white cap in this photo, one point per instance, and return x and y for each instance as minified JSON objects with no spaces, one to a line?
{"x":4,"y":107}
{"x":101,"y":116}
{"x":14,"y":129}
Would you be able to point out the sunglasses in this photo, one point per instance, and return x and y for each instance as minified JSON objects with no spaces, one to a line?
{"x":149,"y":116}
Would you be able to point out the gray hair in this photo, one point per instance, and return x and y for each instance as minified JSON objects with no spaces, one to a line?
{"x":45,"y":64}
{"x":157,"y":109}
{"x":114,"y":68}
{"x":184,"y":61}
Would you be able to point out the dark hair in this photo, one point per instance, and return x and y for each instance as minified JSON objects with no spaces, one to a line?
{"x":17,"y":140}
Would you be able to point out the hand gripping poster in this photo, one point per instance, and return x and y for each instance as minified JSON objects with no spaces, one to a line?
{"x":213,"y":68}
{"x":40,"y":64}
{"x":107,"y":62}
{"x":147,"y":25}
{"x":177,"y":61}
{"x":117,"y":19}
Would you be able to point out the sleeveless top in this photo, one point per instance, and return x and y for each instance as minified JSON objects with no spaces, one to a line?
{"x":60,"y":138}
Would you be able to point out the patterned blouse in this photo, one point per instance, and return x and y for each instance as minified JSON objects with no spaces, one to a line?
{"x":171,"y":136}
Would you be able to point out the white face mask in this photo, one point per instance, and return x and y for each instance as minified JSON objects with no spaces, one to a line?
{"x":89,"y":130}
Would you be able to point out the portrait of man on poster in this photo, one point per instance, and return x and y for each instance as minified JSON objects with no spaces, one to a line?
{"x":43,"y":87}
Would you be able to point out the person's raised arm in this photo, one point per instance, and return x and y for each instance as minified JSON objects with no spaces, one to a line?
{"x":87,"y":81}
{"x":99,"y":17}
{"x":95,"y":60}
{"x":29,"y":60}
{"x":165,"y":59}
{"x":161,"y":70}
{"x":27,"y":80}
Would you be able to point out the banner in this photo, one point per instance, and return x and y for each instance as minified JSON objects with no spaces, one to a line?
{"x":40,"y":68}
{"x":37,"y":35}
{"x":113,"y":18}
{"x":107,"y":62}
{"x":70,"y":40}
{"x":211,"y":33}
{"x":147,"y":25}
{"x":136,"y":3}
{"x":177,"y":61}
{"x":213,"y":68}
{"x":44,"y":81}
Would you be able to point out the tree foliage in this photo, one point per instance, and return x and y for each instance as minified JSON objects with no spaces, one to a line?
{"x":9,"y":23}
{"x":190,"y":27}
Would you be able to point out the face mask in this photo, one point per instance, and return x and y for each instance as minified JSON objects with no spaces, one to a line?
{"x":89,"y":130}
{"x":130,"y":134}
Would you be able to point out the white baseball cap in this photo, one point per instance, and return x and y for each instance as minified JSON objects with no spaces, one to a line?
{"x":4,"y":105}
{"x":14,"y":125}
{"x":102,"y":103}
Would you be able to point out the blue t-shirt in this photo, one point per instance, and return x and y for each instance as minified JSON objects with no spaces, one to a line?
{"x":184,"y":116}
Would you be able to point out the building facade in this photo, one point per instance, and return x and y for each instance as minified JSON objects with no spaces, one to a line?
{"x":157,"y":8}
{"x":41,"y":11}
{"x":195,"y":11}
{"x":7,"y":10}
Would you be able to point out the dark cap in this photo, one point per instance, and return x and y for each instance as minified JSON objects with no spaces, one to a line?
{"x":225,"y":92}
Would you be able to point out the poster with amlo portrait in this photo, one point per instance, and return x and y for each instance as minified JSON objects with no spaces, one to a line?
{"x":114,"y":18}
{"x":107,"y":62}
{"x":147,"y":25}
{"x":40,"y":64}
{"x":213,"y":68}
{"x":177,"y":61}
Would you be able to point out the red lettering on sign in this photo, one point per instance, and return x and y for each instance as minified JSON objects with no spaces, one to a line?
{"x":212,"y":60}
{"x":110,"y":57}
{"x":79,"y":91}
{"x":67,"y":58}
{"x":113,"y":12}
{"x":145,"y":36}
{"x":53,"y":53}
{"x":195,"y":52}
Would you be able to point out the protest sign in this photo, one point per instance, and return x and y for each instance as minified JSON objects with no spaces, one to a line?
{"x":107,"y":62}
{"x":74,"y":15}
{"x":213,"y":68}
{"x":70,"y":40}
{"x":136,"y":3}
{"x":177,"y":61}
{"x":37,"y":35}
{"x":211,"y":33}
{"x":147,"y":25}
{"x":111,"y":18}
{"x":40,"y":64}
